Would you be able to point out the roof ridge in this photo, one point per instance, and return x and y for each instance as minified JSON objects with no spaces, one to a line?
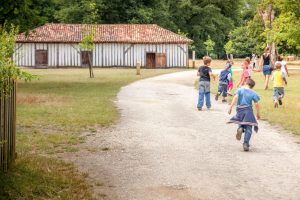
{"x":51,"y":23}
{"x":113,"y":33}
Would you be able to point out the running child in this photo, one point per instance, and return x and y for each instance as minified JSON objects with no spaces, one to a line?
{"x":224,"y":79}
{"x":279,"y":80}
{"x":244,"y":117}
{"x":230,"y":84}
{"x":205,"y":73}
{"x":245,"y":72}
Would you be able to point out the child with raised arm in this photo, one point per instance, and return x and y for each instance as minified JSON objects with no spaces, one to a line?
{"x":205,"y":73}
{"x":279,"y":80}
{"x":244,"y":117}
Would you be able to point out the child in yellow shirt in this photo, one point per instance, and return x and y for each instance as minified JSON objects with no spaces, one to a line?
{"x":279,"y":81}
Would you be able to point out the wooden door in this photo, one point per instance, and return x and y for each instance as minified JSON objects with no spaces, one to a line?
{"x":161,"y":60}
{"x":85,"y":56}
{"x":41,"y":58}
{"x":150,"y":60}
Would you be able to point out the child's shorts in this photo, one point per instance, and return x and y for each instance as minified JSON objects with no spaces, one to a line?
{"x":278,"y":92}
{"x":222,"y":89}
{"x":204,"y":87}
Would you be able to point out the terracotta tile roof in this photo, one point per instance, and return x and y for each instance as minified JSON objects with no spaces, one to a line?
{"x":105,"y":33}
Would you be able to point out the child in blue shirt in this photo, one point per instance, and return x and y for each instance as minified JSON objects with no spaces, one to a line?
{"x":224,"y":79}
{"x":244,"y":117}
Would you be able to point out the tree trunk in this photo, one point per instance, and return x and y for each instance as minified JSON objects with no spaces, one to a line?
{"x":90,"y":66}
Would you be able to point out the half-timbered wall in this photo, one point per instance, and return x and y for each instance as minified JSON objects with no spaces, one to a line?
{"x":104,"y":54}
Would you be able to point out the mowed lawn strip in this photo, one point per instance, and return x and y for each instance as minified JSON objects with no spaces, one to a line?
{"x":67,"y":97}
{"x":52,"y":113}
{"x":286,"y":116}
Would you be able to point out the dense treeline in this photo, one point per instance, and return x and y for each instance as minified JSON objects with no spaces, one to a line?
{"x":220,"y":20}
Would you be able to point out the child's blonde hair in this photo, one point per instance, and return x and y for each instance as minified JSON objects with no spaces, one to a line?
{"x":278,"y":66}
{"x":206,"y":60}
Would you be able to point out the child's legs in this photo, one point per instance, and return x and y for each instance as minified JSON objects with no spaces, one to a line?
{"x":207,"y":99}
{"x":278,"y":93}
{"x":281,"y":92}
{"x":275,"y":94}
{"x":207,"y":94}
{"x":224,"y":90}
{"x":248,"y":133}
{"x":201,"y":95}
{"x":220,"y":88}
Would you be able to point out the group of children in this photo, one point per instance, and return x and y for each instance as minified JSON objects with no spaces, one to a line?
{"x":244,"y":96}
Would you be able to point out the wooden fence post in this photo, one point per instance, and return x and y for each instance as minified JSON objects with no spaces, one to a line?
{"x":138,"y":68}
{"x":8,"y":127}
{"x":194,"y":59}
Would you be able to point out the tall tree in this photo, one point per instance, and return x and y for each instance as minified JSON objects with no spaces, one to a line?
{"x":27,"y":14}
{"x":209,"y":46}
{"x":78,"y":11}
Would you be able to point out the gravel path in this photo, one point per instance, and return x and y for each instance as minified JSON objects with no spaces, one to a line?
{"x":164,"y":149}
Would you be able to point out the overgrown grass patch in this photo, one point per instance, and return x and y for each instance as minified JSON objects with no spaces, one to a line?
{"x":39,"y":177}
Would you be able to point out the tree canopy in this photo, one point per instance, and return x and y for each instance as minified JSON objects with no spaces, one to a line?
{"x":222,"y":20}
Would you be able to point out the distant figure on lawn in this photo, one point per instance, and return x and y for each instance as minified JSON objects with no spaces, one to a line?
{"x":244,"y":117}
{"x":205,"y":73}
{"x":224,"y":80}
{"x":279,"y":80}
{"x":266,"y":63}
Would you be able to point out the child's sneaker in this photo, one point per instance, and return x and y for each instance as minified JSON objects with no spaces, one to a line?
{"x":224,"y":101}
{"x":246,"y":147}
{"x":239,"y":133}
{"x":217,"y":96}
{"x":199,"y":108}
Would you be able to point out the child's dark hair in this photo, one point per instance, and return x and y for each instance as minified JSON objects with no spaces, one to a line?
{"x":206,"y":60}
{"x":247,"y":59}
{"x":250,"y":82}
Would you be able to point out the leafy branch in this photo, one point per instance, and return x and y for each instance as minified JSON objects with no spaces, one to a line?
{"x":9,"y":72}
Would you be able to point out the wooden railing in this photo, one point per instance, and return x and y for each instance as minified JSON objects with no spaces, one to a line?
{"x":7,"y":128}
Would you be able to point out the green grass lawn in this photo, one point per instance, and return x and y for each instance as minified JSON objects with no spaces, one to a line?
{"x":68,"y":98}
{"x":287,"y":116}
{"x":52,"y":112}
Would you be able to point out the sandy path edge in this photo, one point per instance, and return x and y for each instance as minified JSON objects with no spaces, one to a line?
{"x":163,"y":148}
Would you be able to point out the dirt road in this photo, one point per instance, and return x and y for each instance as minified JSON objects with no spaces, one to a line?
{"x":163,"y":148}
